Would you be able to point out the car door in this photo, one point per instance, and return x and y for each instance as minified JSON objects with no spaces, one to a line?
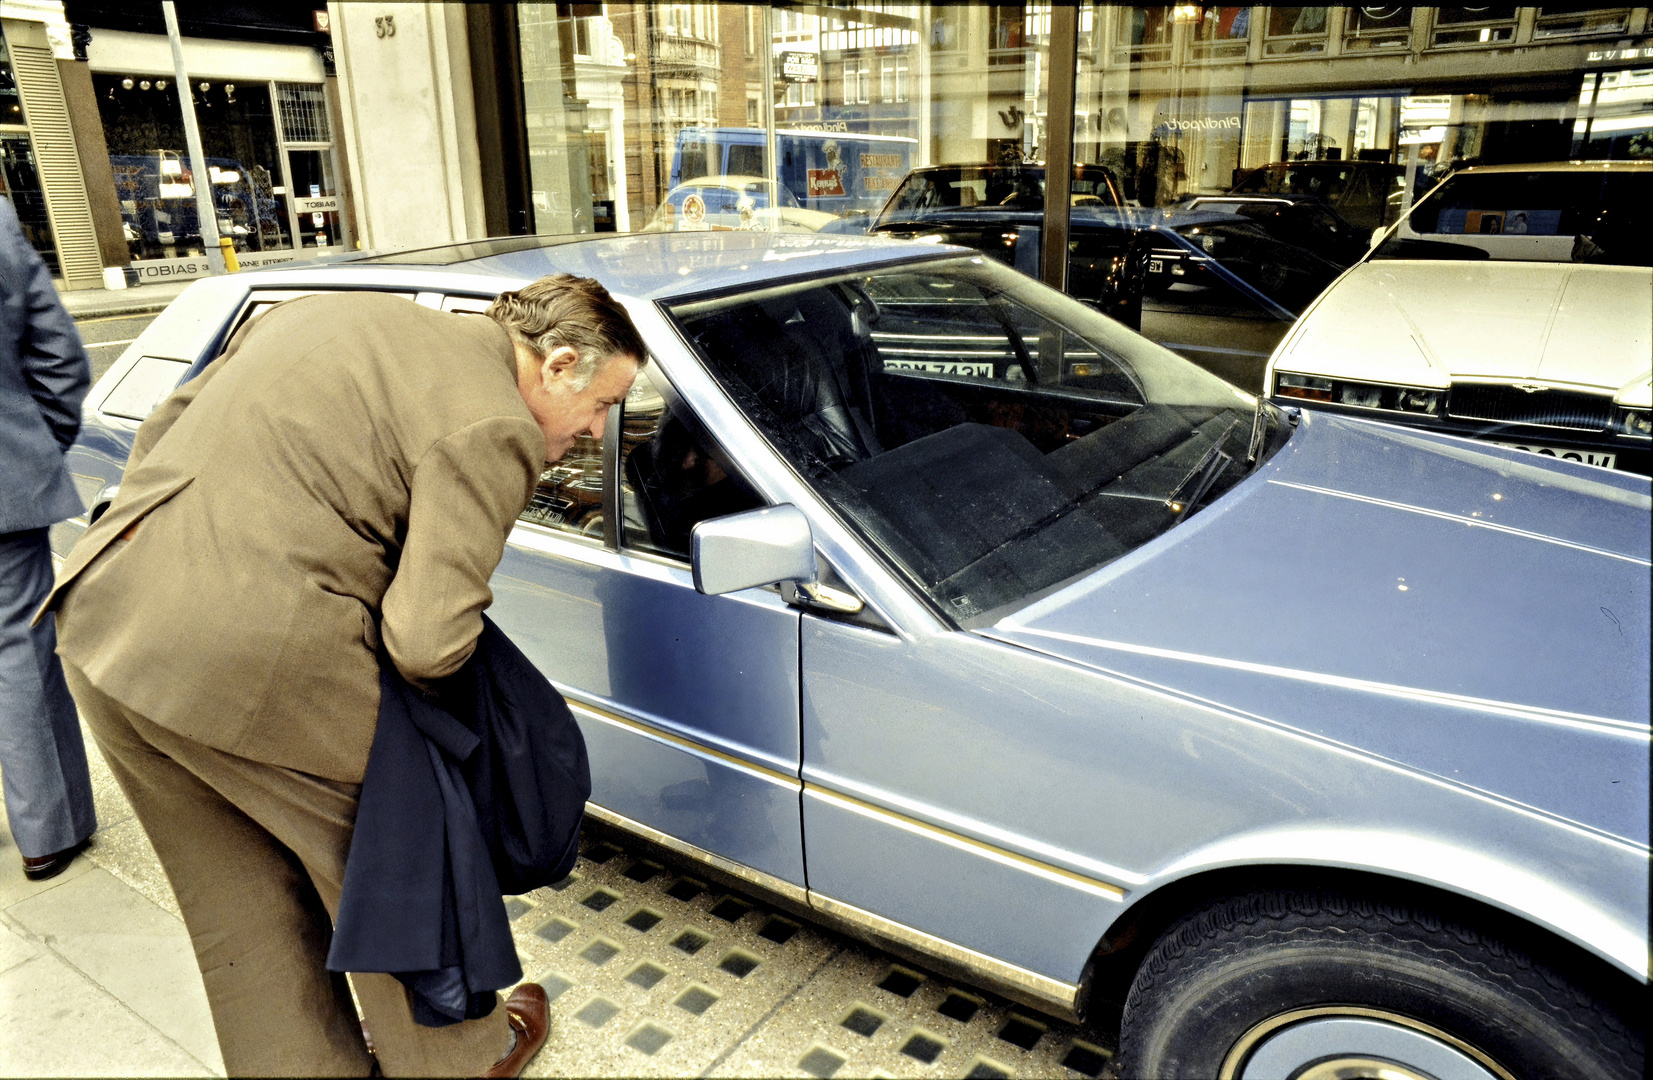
{"x":688,"y":703}
{"x":947,"y":800}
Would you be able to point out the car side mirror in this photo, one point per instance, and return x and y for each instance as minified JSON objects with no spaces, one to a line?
{"x":752,"y":549}
{"x":1377,"y":236}
{"x":771,"y":546}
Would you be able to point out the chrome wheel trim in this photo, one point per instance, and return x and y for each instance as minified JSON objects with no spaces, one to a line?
{"x":1347,"y":1042}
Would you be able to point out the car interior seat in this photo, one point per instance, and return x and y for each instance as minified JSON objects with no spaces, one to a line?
{"x":801,"y":359}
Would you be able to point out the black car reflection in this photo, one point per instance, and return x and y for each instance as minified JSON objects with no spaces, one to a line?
{"x":999,"y":211}
{"x":1221,"y":288}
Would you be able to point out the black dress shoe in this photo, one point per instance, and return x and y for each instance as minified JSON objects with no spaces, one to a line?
{"x":49,"y":866}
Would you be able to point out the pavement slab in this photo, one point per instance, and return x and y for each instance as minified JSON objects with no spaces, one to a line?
{"x":133,"y":949}
{"x":59,"y":1022}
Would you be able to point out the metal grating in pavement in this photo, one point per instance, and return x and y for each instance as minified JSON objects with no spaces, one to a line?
{"x":652,"y":971}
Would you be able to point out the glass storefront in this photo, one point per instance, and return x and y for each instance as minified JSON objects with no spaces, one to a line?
{"x":269,"y":154}
{"x":19,"y":172}
{"x":1241,"y":157}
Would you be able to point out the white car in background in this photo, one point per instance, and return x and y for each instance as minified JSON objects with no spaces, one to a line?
{"x":1513,"y":304}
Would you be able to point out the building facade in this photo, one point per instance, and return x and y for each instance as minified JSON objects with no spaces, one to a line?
{"x":93,"y":146}
{"x":404,"y":124}
{"x":1174,"y":100}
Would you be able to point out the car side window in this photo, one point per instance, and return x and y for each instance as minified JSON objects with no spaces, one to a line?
{"x":671,"y":475}
{"x":569,"y":495}
{"x":263,"y":300}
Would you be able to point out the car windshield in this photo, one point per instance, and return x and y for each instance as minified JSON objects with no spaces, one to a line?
{"x":1322,"y":181}
{"x":1013,"y":187}
{"x":1286,"y":274}
{"x":1556,"y":215}
{"x":992,"y":438}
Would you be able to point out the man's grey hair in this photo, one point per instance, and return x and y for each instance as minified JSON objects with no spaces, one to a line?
{"x":561,"y":309}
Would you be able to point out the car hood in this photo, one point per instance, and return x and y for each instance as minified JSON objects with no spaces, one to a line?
{"x":1450,"y":607}
{"x":1427,"y":323}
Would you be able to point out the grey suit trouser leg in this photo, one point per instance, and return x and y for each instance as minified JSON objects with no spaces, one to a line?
{"x":255,"y":854}
{"x":42,"y":756}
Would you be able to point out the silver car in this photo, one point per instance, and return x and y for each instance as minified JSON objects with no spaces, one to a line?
{"x":940,"y":608}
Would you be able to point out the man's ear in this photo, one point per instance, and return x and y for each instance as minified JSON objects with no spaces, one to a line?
{"x":560,"y":362}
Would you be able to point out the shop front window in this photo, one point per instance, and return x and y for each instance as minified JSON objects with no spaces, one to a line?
{"x":1228,"y":161}
{"x":154,"y":180}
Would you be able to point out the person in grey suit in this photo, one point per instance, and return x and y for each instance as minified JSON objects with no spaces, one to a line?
{"x":44,"y":377}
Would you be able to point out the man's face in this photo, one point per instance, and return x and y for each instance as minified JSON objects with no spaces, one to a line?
{"x":562,"y":412}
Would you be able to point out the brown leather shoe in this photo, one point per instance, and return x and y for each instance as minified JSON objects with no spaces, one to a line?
{"x":49,"y":866}
{"x":527,"y":1011}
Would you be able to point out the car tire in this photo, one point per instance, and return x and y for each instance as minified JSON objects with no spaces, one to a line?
{"x":1317,"y":984}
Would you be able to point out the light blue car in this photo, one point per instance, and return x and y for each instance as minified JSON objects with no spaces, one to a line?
{"x":938,"y":607}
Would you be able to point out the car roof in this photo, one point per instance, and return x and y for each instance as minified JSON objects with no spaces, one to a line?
{"x":1563,"y":166}
{"x":729,"y":180}
{"x":1329,"y":163}
{"x":651,"y":266}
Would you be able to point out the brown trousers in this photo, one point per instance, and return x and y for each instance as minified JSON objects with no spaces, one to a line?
{"x":255,"y":854}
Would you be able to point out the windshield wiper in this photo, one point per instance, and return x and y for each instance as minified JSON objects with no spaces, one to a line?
{"x":1187,"y":495}
{"x":1254,"y":445}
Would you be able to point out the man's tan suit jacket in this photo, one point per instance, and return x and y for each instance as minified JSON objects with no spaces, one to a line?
{"x":352,"y":464}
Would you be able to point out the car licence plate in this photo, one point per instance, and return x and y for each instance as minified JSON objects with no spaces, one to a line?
{"x":1588,"y":457}
{"x":943,"y":367}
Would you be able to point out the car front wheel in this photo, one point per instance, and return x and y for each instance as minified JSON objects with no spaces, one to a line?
{"x":1319,"y":986}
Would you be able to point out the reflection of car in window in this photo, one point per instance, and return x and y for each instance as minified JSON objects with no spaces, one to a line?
{"x":734,"y":203}
{"x":999,"y":210}
{"x":1597,"y":212}
{"x":1512,"y":304}
{"x":1366,"y":194}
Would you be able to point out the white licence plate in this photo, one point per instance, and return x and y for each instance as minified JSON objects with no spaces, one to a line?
{"x":1156,"y":266}
{"x":1588,"y":457}
{"x":943,"y":367}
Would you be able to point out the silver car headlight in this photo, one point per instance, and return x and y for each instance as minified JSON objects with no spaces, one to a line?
{"x":1636,"y":423}
{"x":1407,"y":399}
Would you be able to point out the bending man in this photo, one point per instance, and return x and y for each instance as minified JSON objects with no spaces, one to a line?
{"x":350,"y":467}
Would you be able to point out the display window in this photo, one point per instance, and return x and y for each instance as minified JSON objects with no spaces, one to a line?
{"x":269,"y":156}
{"x":1247,"y":153}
